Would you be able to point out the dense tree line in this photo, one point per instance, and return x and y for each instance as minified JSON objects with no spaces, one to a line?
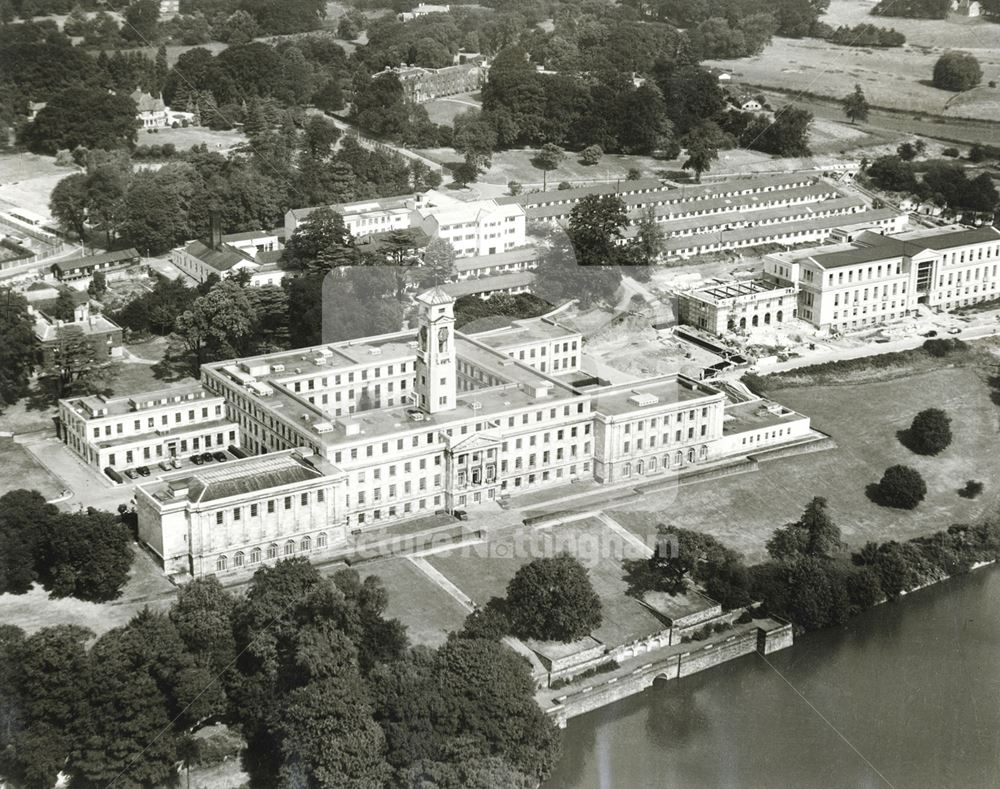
{"x":19,"y":349}
{"x":325,"y":690}
{"x":792,"y":18}
{"x":913,"y":9}
{"x":811,"y":578}
{"x":945,"y":183}
{"x":867,"y":36}
{"x":80,"y":554}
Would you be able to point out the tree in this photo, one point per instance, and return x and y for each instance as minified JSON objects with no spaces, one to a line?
{"x":18,"y":350}
{"x":591,"y":155}
{"x":68,"y":204}
{"x":892,"y":174}
{"x":76,"y":364}
{"x":552,"y":599}
{"x":86,"y":116}
{"x":141,"y":17}
{"x":240,"y":28}
{"x":203,"y":615}
{"x":957,"y":71}
{"x":702,"y":144}
{"x":321,"y":242}
{"x":901,"y":487}
{"x":65,"y":306}
{"x":86,"y":555}
{"x":25,"y":519}
{"x":476,"y":139}
{"x":814,"y":534}
{"x":906,"y":151}
{"x":595,"y":229}
{"x":548,"y":158}
{"x":930,"y":432}
{"x":856,"y":106}
{"x":218,"y":325}
{"x":438,"y":263}
{"x":98,"y":284}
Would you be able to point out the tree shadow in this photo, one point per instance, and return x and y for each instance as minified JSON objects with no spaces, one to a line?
{"x":906,"y":438}
{"x":640,"y":576}
{"x":874,"y":494}
{"x":172,"y":368}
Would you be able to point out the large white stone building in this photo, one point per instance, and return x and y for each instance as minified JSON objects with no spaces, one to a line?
{"x":882,"y":278}
{"x":402,"y":425}
{"x":143,"y":429}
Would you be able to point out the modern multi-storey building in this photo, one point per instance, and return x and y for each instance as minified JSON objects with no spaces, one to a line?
{"x":477,"y":227}
{"x":120,"y":432}
{"x":878,"y":279}
{"x":737,"y":305}
{"x":405,"y":424}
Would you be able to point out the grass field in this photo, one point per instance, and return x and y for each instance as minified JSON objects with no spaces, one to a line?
{"x":898,"y":78}
{"x":184,"y":138}
{"x":428,"y":612}
{"x":19,"y":469}
{"x":863,"y":419}
{"x":484,"y":571}
{"x":27,"y":181}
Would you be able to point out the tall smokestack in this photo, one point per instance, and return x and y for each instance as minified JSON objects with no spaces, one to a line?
{"x":215,"y":230}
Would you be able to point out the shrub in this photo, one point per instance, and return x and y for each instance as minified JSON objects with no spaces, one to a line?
{"x":944,"y":346}
{"x":930,"y":432}
{"x":952,"y":152}
{"x":591,"y":154}
{"x":971,"y":490}
{"x":901,"y":487}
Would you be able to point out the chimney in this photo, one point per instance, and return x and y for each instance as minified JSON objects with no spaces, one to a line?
{"x":215,"y":230}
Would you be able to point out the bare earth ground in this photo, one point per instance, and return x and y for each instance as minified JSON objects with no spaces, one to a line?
{"x":743,"y":510}
{"x":897,"y":77}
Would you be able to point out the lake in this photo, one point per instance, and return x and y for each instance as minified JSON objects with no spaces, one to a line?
{"x":906,"y":695}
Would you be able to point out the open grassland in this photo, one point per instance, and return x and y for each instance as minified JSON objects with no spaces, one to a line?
{"x":27,"y":181}
{"x":863,"y":419}
{"x":19,"y":469}
{"x":957,"y":32}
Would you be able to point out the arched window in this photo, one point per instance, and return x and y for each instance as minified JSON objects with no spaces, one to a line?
{"x":679,"y":458}
{"x":639,"y":467}
{"x":652,"y":464}
{"x":306,"y":543}
{"x":289,"y":547}
{"x":221,"y":563}
{"x":627,"y":470}
{"x":272,"y":551}
{"x":666,"y":461}
{"x":779,"y":316}
{"x":753,"y":321}
{"x":743,"y":323}
{"x":703,"y":452}
{"x":321,"y":540}
{"x":255,"y":556}
{"x":691,"y":455}
{"x":238,"y":559}
{"x":767,"y":318}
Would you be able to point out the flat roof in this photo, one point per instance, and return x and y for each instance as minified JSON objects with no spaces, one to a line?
{"x":735,"y":289}
{"x":122,"y":404}
{"x":520,"y":255}
{"x":670,"y":389}
{"x":525,"y":332}
{"x":756,"y":414}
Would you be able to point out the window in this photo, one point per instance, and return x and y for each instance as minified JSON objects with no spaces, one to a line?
{"x":218,"y":518}
{"x":238,"y":559}
{"x":304,"y":499}
{"x":237,"y":513}
{"x":289,"y":548}
{"x":255,"y":556}
{"x":221,"y":564}
{"x":270,"y":507}
{"x":288,"y":502}
{"x":321,"y":540}
{"x":306,"y":543}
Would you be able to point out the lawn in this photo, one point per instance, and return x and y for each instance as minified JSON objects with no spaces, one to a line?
{"x":184,"y":138}
{"x":863,"y":419}
{"x":445,"y":109}
{"x":27,"y":181}
{"x":19,"y":469}
{"x":483,"y":571}
{"x":139,"y":377}
{"x":428,"y":612}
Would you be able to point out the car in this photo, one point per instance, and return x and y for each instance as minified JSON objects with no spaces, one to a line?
{"x":207,"y":457}
{"x":175,"y":462}
{"x":931,"y":333}
{"x":954,"y":330}
{"x":164,"y":464}
{"x":461,"y":515}
{"x":143,"y":471}
{"x":131,"y":473}
{"x":197,"y":459}
{"x":220,"y":457}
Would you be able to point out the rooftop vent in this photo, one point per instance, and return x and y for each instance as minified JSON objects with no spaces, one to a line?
{"x":351,"y":428}
{"x":374,"y":351}
{"x":323,"y":427}
{"x":277,"y":368}
{"x":643,"y":398}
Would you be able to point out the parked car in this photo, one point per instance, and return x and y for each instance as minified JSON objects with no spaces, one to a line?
{"x":164,"y":464}
{"x":220,"y":456}
{"x":175,"y":462}
{"x":197,"y":459}
{"x":207,"y":457}
{"x":954,"y":330}
{"x":461,"y":515}
{"x":114,"y":475}
{"x":131,"y":473}
{"x":143,"y":471}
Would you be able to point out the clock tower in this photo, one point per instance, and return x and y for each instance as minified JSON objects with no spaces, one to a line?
{"x":436,"y":376}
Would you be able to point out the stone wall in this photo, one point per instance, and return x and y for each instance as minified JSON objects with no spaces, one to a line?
{"x":719,"y":652}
